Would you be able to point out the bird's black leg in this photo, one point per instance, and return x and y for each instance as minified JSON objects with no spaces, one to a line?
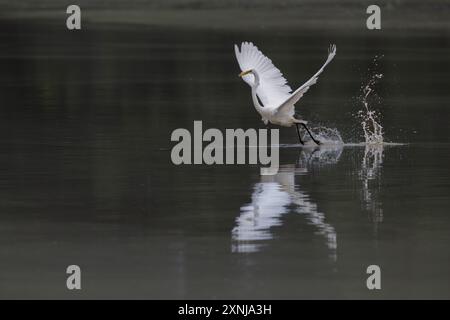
{"x":309,"y":132}
{"x":298,"y":133}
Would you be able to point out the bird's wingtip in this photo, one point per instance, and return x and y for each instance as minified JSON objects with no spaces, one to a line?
{"x":237,"y":52}
{"x":332,"y":49}
{"x":247,"y":43}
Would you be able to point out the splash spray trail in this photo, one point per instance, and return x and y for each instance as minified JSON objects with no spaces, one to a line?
{"x":372,"y":129}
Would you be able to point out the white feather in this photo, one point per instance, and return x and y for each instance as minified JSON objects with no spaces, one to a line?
{"x":273,"y":88}
{"x":287,"y":106}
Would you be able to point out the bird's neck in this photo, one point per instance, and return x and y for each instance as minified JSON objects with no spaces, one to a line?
{"x":255,"y":85}
{"x":256,"y":103}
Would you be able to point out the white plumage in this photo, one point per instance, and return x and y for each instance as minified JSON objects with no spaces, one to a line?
{"x":273,"y":88}
{"x":270,"y":87}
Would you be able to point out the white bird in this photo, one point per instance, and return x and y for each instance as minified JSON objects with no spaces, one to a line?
{"x":271,"y":88}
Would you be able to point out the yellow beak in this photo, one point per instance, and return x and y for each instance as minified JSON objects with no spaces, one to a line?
{"x":243,"y":73}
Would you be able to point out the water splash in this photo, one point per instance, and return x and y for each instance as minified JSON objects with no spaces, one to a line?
{"x":370,"y":119}
{"x":326,"y":136}
{"x":320,"y":156}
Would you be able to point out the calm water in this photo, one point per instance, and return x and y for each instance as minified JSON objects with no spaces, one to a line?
{"x":86,"y":176}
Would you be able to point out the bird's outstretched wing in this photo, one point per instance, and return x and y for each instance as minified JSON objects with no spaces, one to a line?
{"x":273,"y":88}
{"x":288,"y":105}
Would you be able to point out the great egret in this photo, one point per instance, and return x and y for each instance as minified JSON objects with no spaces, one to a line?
{"x":271,"y":88}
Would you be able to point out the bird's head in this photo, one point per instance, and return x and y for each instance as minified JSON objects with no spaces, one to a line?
{"x":252,"y":81}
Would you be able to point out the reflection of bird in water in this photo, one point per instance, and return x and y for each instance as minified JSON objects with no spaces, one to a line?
{"x":274,"y":196}
{"x":370,"y":173}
